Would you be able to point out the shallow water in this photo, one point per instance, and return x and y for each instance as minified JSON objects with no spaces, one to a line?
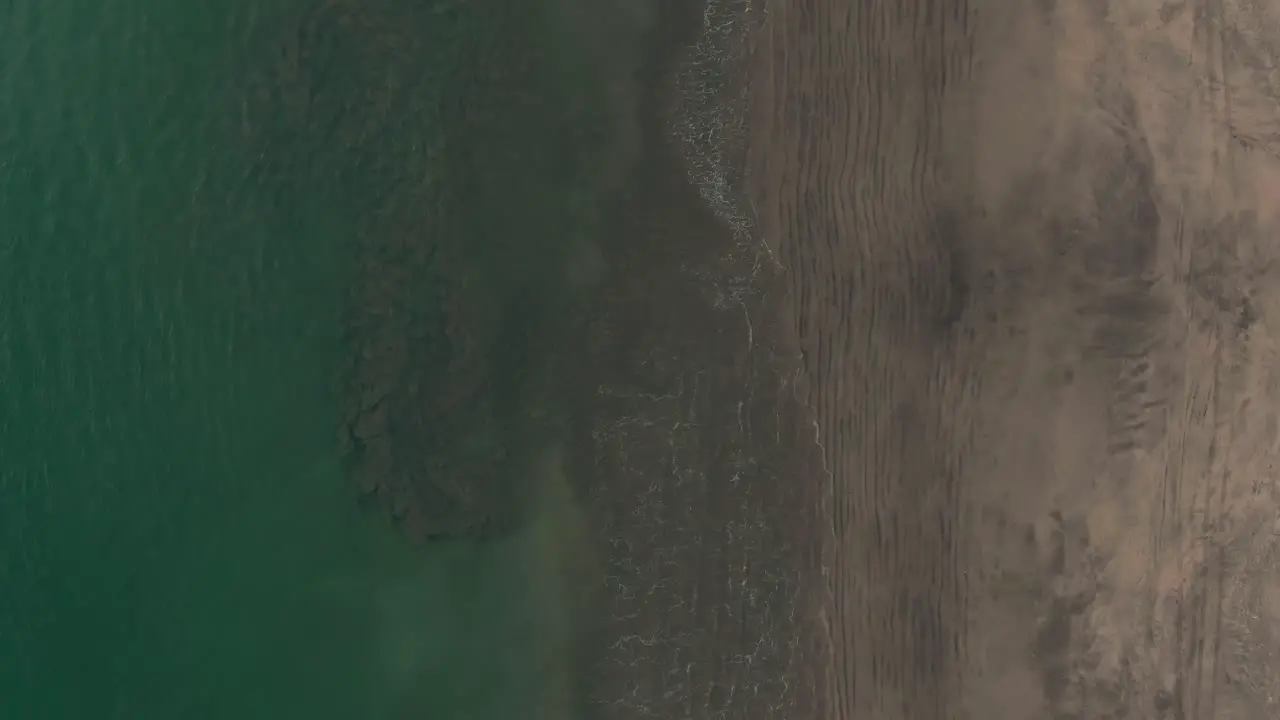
{"x":189,"y":194}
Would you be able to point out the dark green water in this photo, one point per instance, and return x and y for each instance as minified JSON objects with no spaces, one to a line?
{"x":188,"y":195}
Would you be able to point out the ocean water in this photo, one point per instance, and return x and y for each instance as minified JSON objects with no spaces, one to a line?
{"x":197,"y":202}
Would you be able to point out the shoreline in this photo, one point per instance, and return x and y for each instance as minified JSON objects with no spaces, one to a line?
{"x":697,"y":478}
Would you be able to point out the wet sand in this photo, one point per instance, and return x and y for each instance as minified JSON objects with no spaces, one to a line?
{"x":856,"y":198}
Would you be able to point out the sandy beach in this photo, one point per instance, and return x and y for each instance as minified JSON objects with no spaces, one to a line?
{"x":973,"y":415}
{"x":1030,"y":257}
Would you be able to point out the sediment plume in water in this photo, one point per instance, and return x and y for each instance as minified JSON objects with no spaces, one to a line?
{"x":479,"y":146}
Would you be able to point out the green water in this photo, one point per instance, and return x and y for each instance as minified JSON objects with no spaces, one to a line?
{"x":178,"y":536}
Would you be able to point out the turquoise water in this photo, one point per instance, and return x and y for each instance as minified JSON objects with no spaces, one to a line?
{"x":178,"y":534}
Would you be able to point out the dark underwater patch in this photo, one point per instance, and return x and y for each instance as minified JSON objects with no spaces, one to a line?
{"x":472,"y":147}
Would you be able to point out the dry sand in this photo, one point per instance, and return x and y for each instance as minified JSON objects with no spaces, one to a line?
{"x":1030,"y":252}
